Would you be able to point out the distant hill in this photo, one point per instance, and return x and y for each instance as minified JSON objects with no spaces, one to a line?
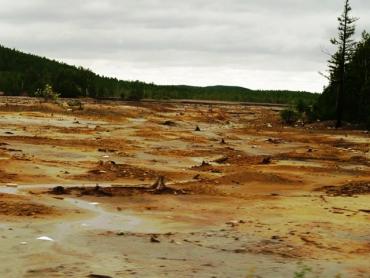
{"x":23,"y":74}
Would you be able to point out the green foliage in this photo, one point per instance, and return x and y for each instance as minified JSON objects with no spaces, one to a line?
{"x":75,"y":103}
{"x":347,"y":97}
{"x":302,"y":106}
{"x":289,"y":116}
{"x":302,"y":271}
{"x":356,"y":100}
{"x":137,"y":92}
{"x":47,"y":93}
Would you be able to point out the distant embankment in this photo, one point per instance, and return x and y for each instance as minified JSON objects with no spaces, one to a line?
{"x":200,"y":102}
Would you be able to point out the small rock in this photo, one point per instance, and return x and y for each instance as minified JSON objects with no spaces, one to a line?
{"x":154,"y":239}
{"x":266,"y":160}
{"x":233,"y":223}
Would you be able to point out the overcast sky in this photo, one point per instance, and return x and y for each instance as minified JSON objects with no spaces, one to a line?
{"x":259,"y":44}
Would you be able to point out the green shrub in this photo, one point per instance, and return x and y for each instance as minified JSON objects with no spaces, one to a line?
{"x":302,"y":271}
{"x":75,"y":103}
{"x":302,"y":107}
{"x":289,"y":116}
{"x":47,"y":93}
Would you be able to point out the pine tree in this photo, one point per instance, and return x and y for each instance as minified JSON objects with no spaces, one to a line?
{"x":340,"y":60}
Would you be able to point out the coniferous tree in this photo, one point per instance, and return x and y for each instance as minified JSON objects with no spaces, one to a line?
{"x":339,"y":61}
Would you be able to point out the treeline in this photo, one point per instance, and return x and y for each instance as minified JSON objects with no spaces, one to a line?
{"x":347,"y":96}
{"x":24,"y":74}
{"x":227,"y":93}
{"x":356,"y":99}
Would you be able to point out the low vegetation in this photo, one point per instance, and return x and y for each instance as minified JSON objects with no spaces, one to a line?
{"x":47,"y":93}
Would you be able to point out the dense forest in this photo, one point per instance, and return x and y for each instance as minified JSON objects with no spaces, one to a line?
{"x":347,"y":97}
{"x":24,"y":74}
{"x":357,"y":89}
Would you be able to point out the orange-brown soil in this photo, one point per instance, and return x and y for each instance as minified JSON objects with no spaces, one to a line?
{"x":262,"y":199}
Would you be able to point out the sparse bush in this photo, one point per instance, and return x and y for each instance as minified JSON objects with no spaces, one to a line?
{"x":75,"y":103}
{"x":302,"y":271}
{"x":302,"y":107}
{"x":289,"y":116}
{"x":47,"y":93}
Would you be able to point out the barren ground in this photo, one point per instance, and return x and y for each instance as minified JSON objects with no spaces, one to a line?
{"x":260,"y":199}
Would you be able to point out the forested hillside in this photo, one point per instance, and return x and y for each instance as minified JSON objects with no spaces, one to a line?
{"x":23,"y":74}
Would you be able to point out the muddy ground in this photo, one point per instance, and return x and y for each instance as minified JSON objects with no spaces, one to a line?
{"x":249,"y":196}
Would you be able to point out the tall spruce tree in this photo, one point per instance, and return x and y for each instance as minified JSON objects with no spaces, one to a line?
{"x":339,"y":61}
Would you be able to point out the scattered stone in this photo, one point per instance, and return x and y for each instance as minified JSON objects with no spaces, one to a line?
{"x":221,"y":160}
{"x":197,"y":128}
{"x":204,"y":163}
{"x":347,"y":190}
{"x":59,"y":190}
{"x":266,"y":160}
{"x":154,"y":239}
{"x":275,"y":141}
{"x":233,"y":223}
{"x":45,"y":238}
{"x":99,"y":276}
{"x":169,"y":123}
{"x":196,"y":177}
{"x":59,"y":198}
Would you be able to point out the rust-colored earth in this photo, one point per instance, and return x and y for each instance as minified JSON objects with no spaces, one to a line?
{"x":248,"y":196}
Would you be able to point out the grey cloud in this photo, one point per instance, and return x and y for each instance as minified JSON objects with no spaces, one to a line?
{"x":264,"y":35}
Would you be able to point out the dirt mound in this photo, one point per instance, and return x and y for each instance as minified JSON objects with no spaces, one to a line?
{"x":351,"y":189}
{"x":6,"y":177}
{"x":236,"y":157}
{"x":13,"y":206}
{"x":109,"y":171}
{"x":245,"y":177}
{"x":206,"y":167}
{"x":158,"y":187}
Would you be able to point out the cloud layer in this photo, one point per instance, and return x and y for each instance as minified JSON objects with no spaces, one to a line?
{"x":265,"y":44}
